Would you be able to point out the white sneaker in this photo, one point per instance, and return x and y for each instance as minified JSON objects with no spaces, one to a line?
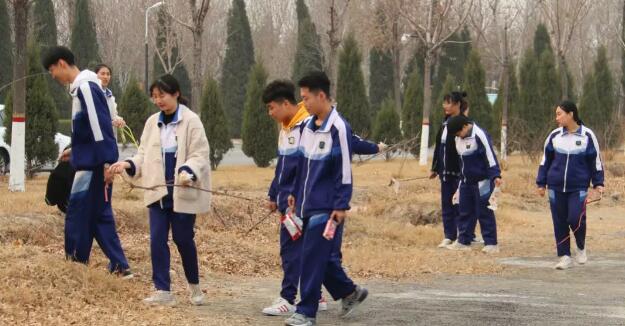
{"x":196,"y":294}
{"x":446,"y":242}
{"x":323,"y":304}
{"x":280,"y":307}
{"x":491,"y":249}
{"x":160,"y":297}
{"x":477,"y":241}
{"x":581,"y":256}
{"x":458,"y":246}
{"x":565,"y":263}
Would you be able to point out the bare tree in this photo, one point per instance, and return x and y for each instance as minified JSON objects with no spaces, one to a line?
{"x":18,"y":129}
{"x":199,"y":10}
{"x":336,"y":14}
{"x":509,"y":13}
{"x":433,"y":22}
{"x":563,"y":17}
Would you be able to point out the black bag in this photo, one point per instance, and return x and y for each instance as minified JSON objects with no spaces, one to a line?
{"x":60,"y":186}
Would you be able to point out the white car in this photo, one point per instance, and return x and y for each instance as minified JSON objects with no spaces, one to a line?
{"x":5,"y":149}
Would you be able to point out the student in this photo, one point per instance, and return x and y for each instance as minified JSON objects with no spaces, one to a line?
{"x":89,"y":213}
{"x":480,"y":174}
{"x":279,"y":97}
{"x":571,"y":161}
{"x":173,"y":150}
{"x":104,"y":73}
{"x":446,"y":165}
{"x":322,"y":192}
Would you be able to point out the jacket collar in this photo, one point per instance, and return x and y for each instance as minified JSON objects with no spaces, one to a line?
{"x":83,"y":76}
{"x":577,"y":132}
{"x":178,"y":115}
{"x":327,"y":124}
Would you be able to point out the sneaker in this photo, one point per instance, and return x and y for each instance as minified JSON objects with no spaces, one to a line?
{"x":300,"y":320}
{"x":490,"y":249}
{"x":446,"y":242}
{"x":125,"y":274}
{"x":477,"y":241}
{"x":349,"y":303}
{"x":160,"y":297}
{"x":581,"y":256}
{"x":196,"y":295}
{"x":280,"y":307}
{"x":564,"y":263}
{"x":323,"y":304}
{"x":457,"y":246}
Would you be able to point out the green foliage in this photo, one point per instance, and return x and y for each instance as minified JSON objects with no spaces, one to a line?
{"x":474,"y":84}
{"x":84,"y":42}
{"x":215,"y":123}
{"x":135,"y":107}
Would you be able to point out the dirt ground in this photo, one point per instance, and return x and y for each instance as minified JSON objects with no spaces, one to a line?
{"x":386,"y":248}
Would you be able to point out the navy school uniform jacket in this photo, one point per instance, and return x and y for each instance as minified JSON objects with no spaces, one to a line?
{"x":477,"y":157}
{"x":446,"y":162}
{"x":93,"y":140}
{"x":288,"y":160}
{"x":324,"y":176}
{"x":570,"y":161}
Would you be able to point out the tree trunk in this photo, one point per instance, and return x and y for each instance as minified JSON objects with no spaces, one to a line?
{"x":564,"y":79}
{"x":396,"y":69}
{"x":506,"y":99}
{"x":196,"y":83}
{"x":18,"y":132}
{"x":331,"y":68}
{"x":427,"y":106}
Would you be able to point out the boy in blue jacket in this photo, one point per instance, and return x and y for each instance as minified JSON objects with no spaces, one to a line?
{"x":322,"y":192}
{"x":279,"y":97}
{"x":89,"y":214}
{"x":480,"y":174}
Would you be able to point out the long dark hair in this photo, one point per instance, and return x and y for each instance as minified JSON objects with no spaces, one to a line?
{"x":100,"y":66}
{"x":169,"y":84}
{"x":457,"y":97}
{"x":568,"y":107}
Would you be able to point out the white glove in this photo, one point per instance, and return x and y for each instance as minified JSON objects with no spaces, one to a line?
{"x":455,"y":200}
{"x":185,"y":178}
{"x":382,"y":147}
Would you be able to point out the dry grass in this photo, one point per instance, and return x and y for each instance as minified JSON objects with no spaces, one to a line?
{"x":39,"y":287}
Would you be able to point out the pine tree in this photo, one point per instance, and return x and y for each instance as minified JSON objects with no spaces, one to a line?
{"x":380,"y":77}
{"x":549,"y":90}
{"x":454,"y":56}
{"x":513,"y":98}
{"x":597,"y":106}
{"x":308,"y":52}
{"x":438,"y":113}
{"x":45,"y":34}
{"x":387,"y":124}
{"x":474,"y":83}
{"x":167,"y":43}
{"x":215,"y":124}
{"x":84,"y":42}
{"x":351,"y":95}
{"x":542,"y":40}
{"x":135,"y":107}
{"x":412,"y":109}
{"x":259,"y":132}
{"x":41,"y":116}
{"x":237,"y":64}
{"x":6,"y":55}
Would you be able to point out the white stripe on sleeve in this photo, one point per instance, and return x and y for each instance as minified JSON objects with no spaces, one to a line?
{"x":85,"y":89}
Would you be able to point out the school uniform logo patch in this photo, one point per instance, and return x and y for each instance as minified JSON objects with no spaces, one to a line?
{"x":322,"y":145}
{"x":291,"y":140}
{"x":468,"y":146}
{"x":578,"y":143}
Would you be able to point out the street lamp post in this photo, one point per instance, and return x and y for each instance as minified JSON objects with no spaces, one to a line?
{"x":147,"y":12}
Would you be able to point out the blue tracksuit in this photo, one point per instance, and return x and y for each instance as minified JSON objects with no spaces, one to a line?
{"x":163,"y":217}
{"x":89,"y":214}
{"x":479,"y":169}
{"x":446,"y":163}
{"x":571,"y":161}
{"x":323,"y":184}
{"x":282,"y":186}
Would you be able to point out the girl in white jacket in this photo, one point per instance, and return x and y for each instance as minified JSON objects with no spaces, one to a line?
{"x":173,"y":151}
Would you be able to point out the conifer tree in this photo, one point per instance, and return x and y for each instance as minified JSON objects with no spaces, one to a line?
{"x":215,"y":124}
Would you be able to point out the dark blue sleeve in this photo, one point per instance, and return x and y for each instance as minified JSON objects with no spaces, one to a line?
{"x":545,"y":163}
{"x":593,"y":158}
{"x":273,"y":188}
{"x":189,"y":171}
{"x":363,"y":147}
{"x":132,"y":170}
{"x":491,"y":158}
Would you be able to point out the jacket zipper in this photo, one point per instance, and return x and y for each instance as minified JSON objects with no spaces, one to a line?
{"x":566,"y":169}
{"x":280,"y":181}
